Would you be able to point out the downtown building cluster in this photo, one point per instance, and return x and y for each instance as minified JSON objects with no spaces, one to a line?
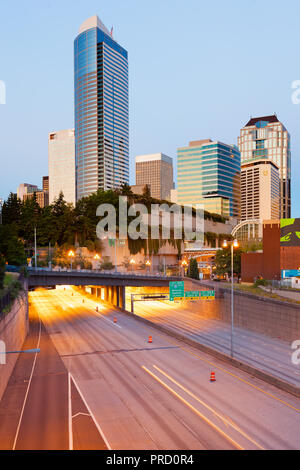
{"x":245,"y":184}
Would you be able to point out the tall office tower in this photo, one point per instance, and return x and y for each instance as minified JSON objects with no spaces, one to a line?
{"x":156,"y":171}
{"x":101,"y":110}
{"x":260,"y":185}
{"x":266,"y":137}
{"x":26,"y":188}
{"x":208,"y":173}
{"x":61,"y":161}
{"x":46,"y":184}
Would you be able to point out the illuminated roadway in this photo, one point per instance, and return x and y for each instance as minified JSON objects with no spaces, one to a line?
{"x":99,"y":384}
{"x":196,"y":321}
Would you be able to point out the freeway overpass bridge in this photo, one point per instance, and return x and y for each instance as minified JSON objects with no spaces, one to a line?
{"x":110,"y":286}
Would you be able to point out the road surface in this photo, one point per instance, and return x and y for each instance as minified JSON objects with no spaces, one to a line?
{"x":195,"y":319}
{"x":100,"y":384}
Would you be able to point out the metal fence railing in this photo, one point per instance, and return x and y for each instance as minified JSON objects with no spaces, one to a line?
{"x":281,"y":284}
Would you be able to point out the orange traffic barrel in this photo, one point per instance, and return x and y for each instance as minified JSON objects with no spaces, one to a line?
{"x":212,"y":377}
{"x":150,"y":339}
{"x":115,"y":320}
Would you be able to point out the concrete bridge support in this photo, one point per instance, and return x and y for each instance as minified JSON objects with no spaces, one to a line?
{"x":121,"y":296}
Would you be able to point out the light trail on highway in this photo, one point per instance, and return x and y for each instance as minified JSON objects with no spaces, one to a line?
{"x":197,"y":321}
{"x":101,"y":384}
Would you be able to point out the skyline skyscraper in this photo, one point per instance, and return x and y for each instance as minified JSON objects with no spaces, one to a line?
{"x":267,"y":138}
{"x":61,"y":165}
{"x":156,"y":171}
{"x":260,"y":190}
{"x":208,"y":173}
{"x":101,"y":110}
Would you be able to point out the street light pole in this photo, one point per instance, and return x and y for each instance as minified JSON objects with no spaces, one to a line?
{"x":35,"y":260}
{"x":232,"y":313}
{"x":233,"y":244}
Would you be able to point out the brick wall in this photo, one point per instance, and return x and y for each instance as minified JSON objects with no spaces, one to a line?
{"x":252,"y":266}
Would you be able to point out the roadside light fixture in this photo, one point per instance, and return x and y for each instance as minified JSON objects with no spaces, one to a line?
{"x":132,"y":262}
{"x":148,"y":264}
{"x":233,"y":244}
{"x":97,"y":257}
{"x":184,"y":264}
{"x":71,"y":255}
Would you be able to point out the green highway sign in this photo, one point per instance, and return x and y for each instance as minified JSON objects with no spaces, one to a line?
{"x":192,"y":294}
{"x":176,"y":289}
{"x":208,"y":294}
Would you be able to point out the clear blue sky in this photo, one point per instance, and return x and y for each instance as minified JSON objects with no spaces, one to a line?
{"x":197,"y":69}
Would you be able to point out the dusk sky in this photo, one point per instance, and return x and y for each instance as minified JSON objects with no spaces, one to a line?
{"x":197,"y":70}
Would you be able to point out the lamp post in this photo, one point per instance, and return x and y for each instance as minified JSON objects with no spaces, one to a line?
{"x":148,"y":264}
{"x":97,"y":258}
{"x":132,"y":262}
{"x":184,"y":265}
{"x":233,"y":244}
{"x":71,"y":255}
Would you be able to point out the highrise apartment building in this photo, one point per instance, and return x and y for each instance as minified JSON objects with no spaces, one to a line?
{"x":260,"y":198}
{"x":61,"y":161}
{"x":28,"y":191}
{"x":26,"y":188}
{"x":156,"y":171}
{"x":208,"y":173}
{"x":101,"y":110}
{"x":266,"y":138}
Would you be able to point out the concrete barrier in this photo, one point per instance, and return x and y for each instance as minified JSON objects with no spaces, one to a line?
{"x":13,"y":331}
{"x":271,"y":317}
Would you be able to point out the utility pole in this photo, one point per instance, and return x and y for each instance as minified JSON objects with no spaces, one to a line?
{"x":1,"y":205}
{"x":35,"y":255}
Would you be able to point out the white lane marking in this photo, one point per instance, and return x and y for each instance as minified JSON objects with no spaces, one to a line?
{"x":226,"y":420}
{"x":90,"y":412}
{"x":197,"y":412}
{"x":70,"y":413}
{"x":80,"y":414}
{"x":28,"y":386}
{"x":106,"y":319}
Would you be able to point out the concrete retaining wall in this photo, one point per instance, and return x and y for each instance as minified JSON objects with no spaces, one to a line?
{"x":13,"y":331}
{"x":274,"y":318}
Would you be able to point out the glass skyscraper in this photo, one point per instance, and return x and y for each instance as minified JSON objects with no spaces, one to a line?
{"x":101,"y":110}
{"x":208,"y":173}
{"x":266,"y":138}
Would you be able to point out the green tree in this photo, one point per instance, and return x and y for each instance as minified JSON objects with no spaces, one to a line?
{"x":15,"y":252}
{"x":64,"y":217}
{"x":193,"y":271}
{"x":11,"y":210}
{"x":30,"y":213}
{"x":2,"y":271}
{"x":223,"y":261}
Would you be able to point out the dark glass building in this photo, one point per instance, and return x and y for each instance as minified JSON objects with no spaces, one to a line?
{"x":101,"y":110}
{"x":208,"y":173}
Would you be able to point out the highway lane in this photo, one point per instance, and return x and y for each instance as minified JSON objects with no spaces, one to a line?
{"x":41,"y":408}
{"x":195,"y":319}
{"x":158,"y":395}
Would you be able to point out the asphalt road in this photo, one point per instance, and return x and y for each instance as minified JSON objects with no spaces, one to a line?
{"x":195,"y":320}
{"x":101,"y":384}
